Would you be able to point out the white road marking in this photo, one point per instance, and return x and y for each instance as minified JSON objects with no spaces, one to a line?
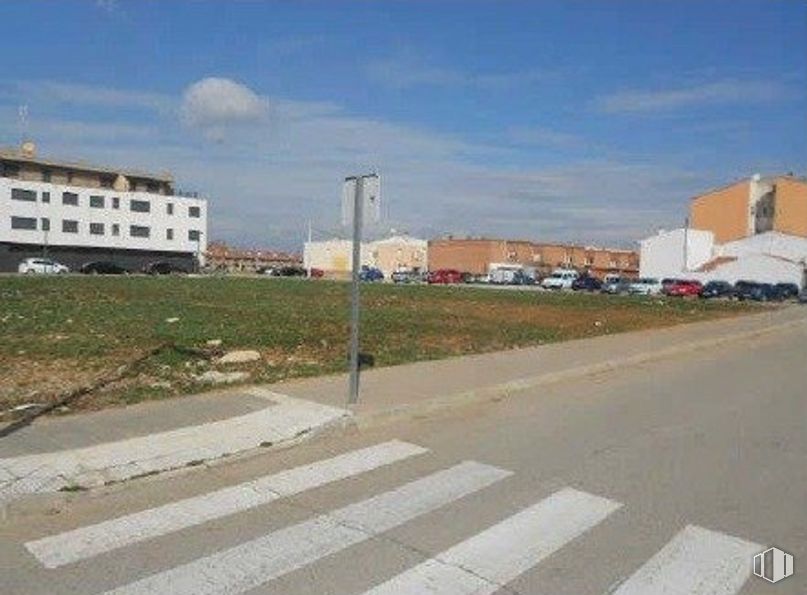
{"x":85,"y":542}
{"x":695,"y":562}
{"x":487,"y":561}
{"x":256,"y":562}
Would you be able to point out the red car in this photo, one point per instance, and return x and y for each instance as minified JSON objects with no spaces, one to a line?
{"x":444,"y":277}
{"x":684,"y":288}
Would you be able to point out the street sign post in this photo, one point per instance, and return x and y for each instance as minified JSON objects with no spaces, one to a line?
{"x":364,"y":188}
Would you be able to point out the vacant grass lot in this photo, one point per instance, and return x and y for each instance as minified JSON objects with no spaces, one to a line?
{"x":59,"y":333}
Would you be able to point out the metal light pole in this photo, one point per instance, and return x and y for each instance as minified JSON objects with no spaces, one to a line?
{"x":358,"y":211}
{"x":308,"y":268}
{"x":686,"y":244}
{"x":198,"y":252}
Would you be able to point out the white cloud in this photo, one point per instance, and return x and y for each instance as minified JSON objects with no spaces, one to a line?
{"x":109,"y":6}
{"x":286,"y":167}
{"x":212,"y":105}
{"x":546,"y":137}
{"x":406,"y":70}
{"x":54,"y":92}
{"x":718,"y":92}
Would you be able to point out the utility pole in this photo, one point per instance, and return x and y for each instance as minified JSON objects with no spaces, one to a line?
{"x":358,"y":211}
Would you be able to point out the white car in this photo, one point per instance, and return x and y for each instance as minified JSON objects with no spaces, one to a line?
{"x":645,"y":286}
{"x":42,"y":266}
{"x":560,"y":279}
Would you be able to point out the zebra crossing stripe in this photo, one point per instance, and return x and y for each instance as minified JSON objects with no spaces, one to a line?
{"x":695,"y":562}
{"x":248,"y":565}
{"x":487,"y":561}
{"x":86,"y":542}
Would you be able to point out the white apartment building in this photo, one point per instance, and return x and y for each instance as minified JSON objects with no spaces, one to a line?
{"x":77,"y":213}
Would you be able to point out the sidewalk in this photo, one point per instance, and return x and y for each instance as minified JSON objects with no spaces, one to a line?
{"x":90,"y":449}
{"x":415,"y":389}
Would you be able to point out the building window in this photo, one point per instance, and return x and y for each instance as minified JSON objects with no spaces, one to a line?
{"x":23,"y":223}
{"x":140,"y":206}
{"x":22,"y":194}
{"x":151,"y":187}
{"x":70,"y":198}
{"x":97,"y":202}
{"x":45,"y":224}
{"x":115,"y":229}
{"x":115,"y":202}
{"x":139,"y":231}
{"x":69,"y":226}
{"x":46,"y":175}
{"x":46,"y":197}
{"x":169,"y":208}
{"x":194,"y":212}
{"x":169,"y":234}
{"x":194,"y":235}
{"x":11,"y":170}
{"x":96,"y":229}
{"x":107,"y":181}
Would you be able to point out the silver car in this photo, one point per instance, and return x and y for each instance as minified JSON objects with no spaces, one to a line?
{"x":42,"y":266}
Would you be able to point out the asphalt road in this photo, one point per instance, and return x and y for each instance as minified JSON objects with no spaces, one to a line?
{"x":662,"y":478}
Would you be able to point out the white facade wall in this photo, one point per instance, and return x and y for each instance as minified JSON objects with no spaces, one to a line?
{"x":333,"y":255}
{"x":756,"y":267}
{"x":662,"y":255}
{"x":770,"y":257}
{"x":792,"y":248}
{"x":157,"y":219}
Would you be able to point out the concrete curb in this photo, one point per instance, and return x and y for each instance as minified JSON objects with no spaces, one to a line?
{"x":287,"y":423}
{"x":498,"y":392}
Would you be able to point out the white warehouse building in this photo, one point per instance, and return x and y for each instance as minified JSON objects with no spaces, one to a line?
{"x":77,"y":213}
{"x":770,"y":257}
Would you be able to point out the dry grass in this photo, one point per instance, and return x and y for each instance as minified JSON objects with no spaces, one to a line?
{"x":57,"y":333}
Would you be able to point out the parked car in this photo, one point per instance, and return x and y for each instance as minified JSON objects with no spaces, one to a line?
{"x":405,"y":276}
{"x":684,"y":288}
{"x":717,"y":289}
{"x":645,"y":286}
{"x":444,"y":277}
{"x":290,"y":271}
{"x":102,"y":267}
{"x":758,"y":292}
{"x":42,"y":266}
{"x":164,"y":267}
{"x":512,"y":275}
{"x":616,"y":285}
{"x":587,"y":283}
{"x":787,"y":290}
{"x":665,"y":284}
{"x":370,"y":274}
{"x":316,"y":273}
{"x":560,"y":279}
{"x":803,"y":296}
{"x":475,"y":278}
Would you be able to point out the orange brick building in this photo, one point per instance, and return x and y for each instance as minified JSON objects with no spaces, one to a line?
{"x":752,"y":206}
{"x":224,"y":258}
{"x":477,"y":255}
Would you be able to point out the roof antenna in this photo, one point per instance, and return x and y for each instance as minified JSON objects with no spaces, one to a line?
{"x":23,"y":122}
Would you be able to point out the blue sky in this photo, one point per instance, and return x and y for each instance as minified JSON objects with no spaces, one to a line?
{"x":591,"y":122}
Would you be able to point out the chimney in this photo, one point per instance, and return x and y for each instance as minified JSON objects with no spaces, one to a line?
{"x":28,"y":149}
